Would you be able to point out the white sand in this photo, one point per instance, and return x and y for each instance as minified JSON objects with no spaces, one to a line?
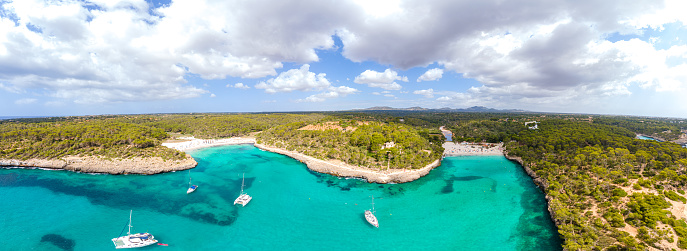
{"x":194,"y":143}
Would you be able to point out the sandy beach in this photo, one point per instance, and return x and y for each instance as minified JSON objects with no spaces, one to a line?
{"x":193,"y":143}
{"x":472,"y":149}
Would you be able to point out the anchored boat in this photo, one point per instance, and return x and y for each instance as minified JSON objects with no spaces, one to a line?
{"x":133,"y":240}
{"x":244,"y":198}
{"x":191,"y":188}
{"x":370,"y":215}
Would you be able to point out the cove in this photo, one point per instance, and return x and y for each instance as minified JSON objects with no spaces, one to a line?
{"x":468,"y":203}
{"x":647,"y":138}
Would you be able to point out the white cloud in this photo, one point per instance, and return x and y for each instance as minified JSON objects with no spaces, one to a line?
{"x":111,"y":51}
{"x":429,"y":93}
{"x":431,"y":75}
{"x":303,"y":80}
{"x":239,"y":86}
{"x":25,"y":101}
{"x":384,"y":80}
{"x":295,"y":80}
{"x":333,"y":92}
{"x":12,"y":89}
{"x":54,"y":103}
{"x":212,"y":95}
{"x":556,"y":48}
{"x":379,"y":8}
{"x":123,"y":51}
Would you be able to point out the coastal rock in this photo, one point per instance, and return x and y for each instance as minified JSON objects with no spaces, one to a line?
{"x":37,"y":163}
{"x":341,"y":169}
{"x":90,"y":164}
{"x":541,"y":183}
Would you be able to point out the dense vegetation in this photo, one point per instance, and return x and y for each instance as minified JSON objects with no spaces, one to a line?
{"x":125,"y":135}
{"x":590,"y":168}
{"x":664,"y":129}
{"x":606,"y":189}
{"x":210,"y":126}
{"x":362,"y":144}
{"x":89,"y":137}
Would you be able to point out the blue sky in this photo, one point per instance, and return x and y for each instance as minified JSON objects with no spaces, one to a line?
{"x":74,"y":57}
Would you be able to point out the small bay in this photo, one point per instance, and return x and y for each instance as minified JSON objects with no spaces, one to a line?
{"x":647,"y":138}
{"x":468,"y":203}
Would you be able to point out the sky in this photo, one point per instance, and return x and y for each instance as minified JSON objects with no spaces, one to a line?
{"x":67,"y":57}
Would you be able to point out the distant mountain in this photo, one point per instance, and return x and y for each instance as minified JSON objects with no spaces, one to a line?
{"x":444,"y":109}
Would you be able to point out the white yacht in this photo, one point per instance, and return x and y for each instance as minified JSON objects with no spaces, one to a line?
{"x":244,"y":198}
{"x":370,"y":215}
{"x":191,"y":188}
{"x":133,"y":240}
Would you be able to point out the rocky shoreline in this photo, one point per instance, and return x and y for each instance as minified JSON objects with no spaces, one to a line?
{"x":341,"y":169}
{"x":541,"y":183}
{"x":91,"y":164}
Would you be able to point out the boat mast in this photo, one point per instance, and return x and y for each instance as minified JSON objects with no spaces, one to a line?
{"x":373,"y":204}
{"x":244,"y":178}
{"x":129,"y":232}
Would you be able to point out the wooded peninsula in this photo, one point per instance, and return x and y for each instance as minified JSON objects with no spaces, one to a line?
{"x":606,"y":189}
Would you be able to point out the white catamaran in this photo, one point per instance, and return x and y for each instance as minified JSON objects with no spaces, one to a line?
{"x":191,"y":188}
{"x":244,"y":198}
{"x":370,"y":215}
{"x":133,"y":240}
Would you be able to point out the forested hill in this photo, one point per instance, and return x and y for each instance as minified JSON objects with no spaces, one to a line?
{"x":125,"y":136}
{"x":370,"y":144}
{"x":608,"y":190}
{"x":664,"y":129}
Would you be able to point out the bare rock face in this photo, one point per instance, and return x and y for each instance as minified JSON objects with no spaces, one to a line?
{"x":91,"y":164}
{"x":42,"y":163}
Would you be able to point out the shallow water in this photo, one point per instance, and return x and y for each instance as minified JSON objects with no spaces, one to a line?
{"x":468,"y":203}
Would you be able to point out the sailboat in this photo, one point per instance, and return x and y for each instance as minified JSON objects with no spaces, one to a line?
{"x":191,"y":188}
{"x":244,"y":198}
{"x":370,"y":215}
{"x":133,"y":240}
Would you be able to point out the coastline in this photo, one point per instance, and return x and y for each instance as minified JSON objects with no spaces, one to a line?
{"x":91,"y":164}
{"x":341,"y":169}
{"x":145,"y":166}
{"x":541,"y":183}
{"x":332,"y":167}
{"x":194,"y":144}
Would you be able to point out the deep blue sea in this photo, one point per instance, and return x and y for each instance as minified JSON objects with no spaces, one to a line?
{"x":468,"y":203}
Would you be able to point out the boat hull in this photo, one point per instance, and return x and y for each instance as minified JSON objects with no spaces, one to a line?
{"x":243,"y":199}
{"x":134,"y":240}
{"x":371,"y":218}
{"x":191,"y":189}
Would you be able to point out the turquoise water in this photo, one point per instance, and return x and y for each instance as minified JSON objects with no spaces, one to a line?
{"x":647,"y":138}
{"x":469,"y":203}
